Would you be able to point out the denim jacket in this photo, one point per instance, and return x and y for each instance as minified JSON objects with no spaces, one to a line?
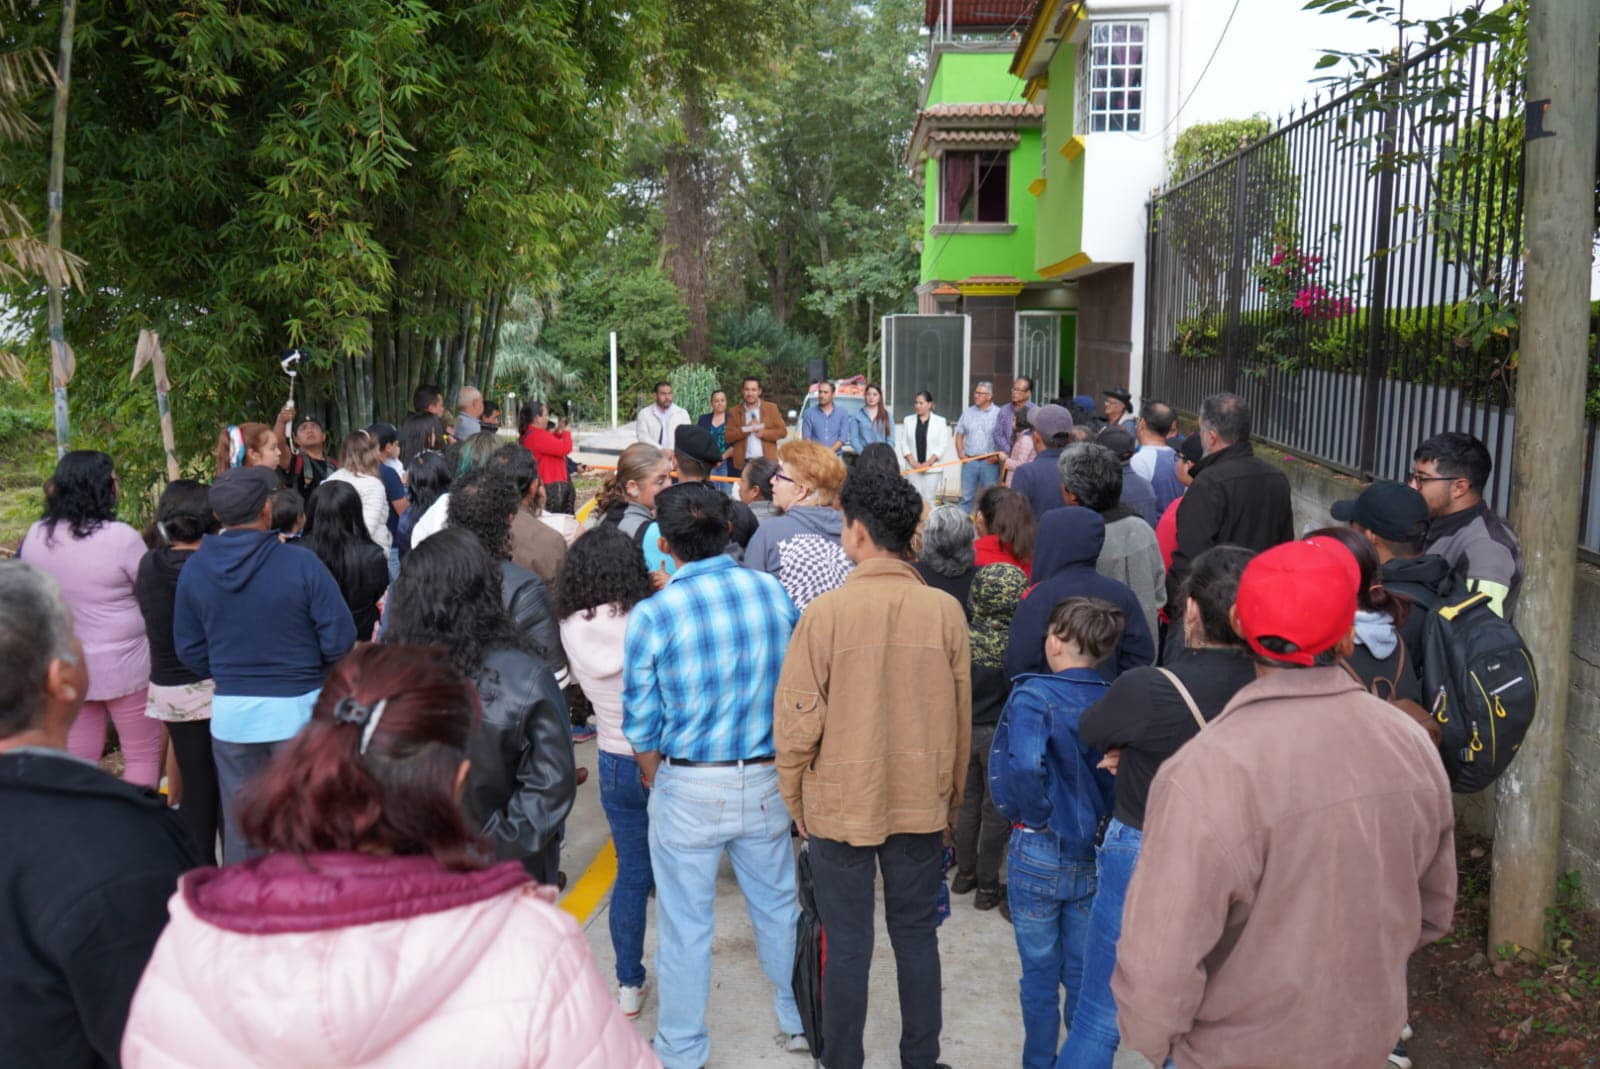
{"x":1041,"y":775}
{"x":863,"y":433}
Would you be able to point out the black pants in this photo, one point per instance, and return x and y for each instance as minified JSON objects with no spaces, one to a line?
{"x":982,"y":831}
{"x":844,"y":877}
{"x":200,"y":805}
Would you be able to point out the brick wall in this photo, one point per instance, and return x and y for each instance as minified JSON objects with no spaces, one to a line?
{"x":1314,"y":489}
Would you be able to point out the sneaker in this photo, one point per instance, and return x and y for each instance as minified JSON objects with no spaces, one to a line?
{"x":631,"y":999}
{"x":1397,"y":1057}
{"x":582,"y":732}
{"x":795,"y":1043}
{"x":963,"y":881}
{"x":989,"y":897}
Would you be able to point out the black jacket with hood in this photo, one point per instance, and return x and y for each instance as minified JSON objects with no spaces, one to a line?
{"x":527,"y":599}
{"x":1064,"y":555}
{"x":521,"y":783}
{"x":87,"y":864}
{"x":1236,"y":499}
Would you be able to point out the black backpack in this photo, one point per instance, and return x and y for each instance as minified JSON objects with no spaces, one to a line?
{"x":1479,"y":685}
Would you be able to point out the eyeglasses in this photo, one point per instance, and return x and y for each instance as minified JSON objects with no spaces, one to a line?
{"x":1420,"y":477}
{"x":780,"y":475}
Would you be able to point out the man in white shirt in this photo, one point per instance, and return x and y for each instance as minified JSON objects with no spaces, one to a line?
{"x":755,"y":428}
{"x":1155,"y":458}
{"x":658,"y":423}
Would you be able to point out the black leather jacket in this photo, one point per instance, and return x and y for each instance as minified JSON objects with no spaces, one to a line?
{"x":521,"y":783}
{"x":527,"y":599}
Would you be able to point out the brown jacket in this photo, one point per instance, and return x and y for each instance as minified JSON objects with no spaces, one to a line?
{"x":537,"y":546}
{"x":1295,"y":853}
{"x":773,"y":431}
{"x":873,"y":715}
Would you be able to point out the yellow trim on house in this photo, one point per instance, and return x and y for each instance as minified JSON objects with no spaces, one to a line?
{"x":1036,"y":186}
{"x":1073,"y":147}
{"x":989,"y":289}
{"x":1062,"y":267}
{"x":1048,"y":15}
{"x":1034,"y":87}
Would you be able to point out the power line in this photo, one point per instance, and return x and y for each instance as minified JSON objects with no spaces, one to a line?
{"x":1203,"y":70}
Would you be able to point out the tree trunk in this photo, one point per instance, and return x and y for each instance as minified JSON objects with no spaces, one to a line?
{"x":782,"y":306}
{"x":688,"y":225}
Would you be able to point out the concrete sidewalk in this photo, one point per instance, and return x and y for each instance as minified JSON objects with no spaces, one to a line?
{"x":978,"y":953}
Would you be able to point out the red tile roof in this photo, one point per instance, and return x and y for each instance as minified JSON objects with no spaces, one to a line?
{"x":980,"y":14}
{"x":968,"y":125}
{"x":1014,"y":109}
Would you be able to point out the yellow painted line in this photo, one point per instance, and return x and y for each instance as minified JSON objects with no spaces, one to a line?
{"x":584,"y":897}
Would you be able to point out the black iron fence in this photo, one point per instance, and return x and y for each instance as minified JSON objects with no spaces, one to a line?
{"x":1355,"y":274}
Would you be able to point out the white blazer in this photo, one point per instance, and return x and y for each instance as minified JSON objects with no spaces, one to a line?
{"x":940,"y":444}
{"x":649,"y":424}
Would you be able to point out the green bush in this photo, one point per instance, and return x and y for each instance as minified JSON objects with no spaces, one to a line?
{"x":692,"y":387}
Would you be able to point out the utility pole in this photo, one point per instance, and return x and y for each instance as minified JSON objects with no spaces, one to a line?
{"x":1548,"y":451}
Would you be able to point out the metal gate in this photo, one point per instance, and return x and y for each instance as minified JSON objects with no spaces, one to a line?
{"x":926,"y":352}
{"x":1039,"y":352}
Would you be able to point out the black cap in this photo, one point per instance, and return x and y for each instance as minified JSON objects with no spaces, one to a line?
{"x":696,"y":443}
{"x":1191,"y":448}
{"x":1120,"y":394}
{"x":238,"y":494}
{"x":1119,"y":440}
{"x":1390,"y":510}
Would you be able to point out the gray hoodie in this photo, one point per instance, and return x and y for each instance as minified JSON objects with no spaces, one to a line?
{"x":801,"y":547}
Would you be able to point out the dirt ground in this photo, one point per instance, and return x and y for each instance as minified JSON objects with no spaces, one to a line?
{"x":1475,"y":1008}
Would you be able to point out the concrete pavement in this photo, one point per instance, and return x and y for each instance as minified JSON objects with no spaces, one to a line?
{"x":982,"y":1020}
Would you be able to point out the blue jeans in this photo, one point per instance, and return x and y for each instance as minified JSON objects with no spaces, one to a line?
{"x":625,"y":798}
{"x":1092,"y":1037}
{"x":976,"y":477}
{"x":1050,"y":895}
{"x":696,"y":814}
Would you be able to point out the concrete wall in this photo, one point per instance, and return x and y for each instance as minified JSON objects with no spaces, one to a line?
{"x":1315,"y":488}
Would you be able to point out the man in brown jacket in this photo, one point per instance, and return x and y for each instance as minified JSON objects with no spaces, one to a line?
{"x":1295,"y":852}
{"x":754,"y":428}
{"x":873,"y":722}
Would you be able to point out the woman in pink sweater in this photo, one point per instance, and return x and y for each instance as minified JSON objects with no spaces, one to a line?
{"x":375,"y":932}
{"x":95,"y":559}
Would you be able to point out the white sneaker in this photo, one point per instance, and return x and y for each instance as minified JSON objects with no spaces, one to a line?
{"x":1406,"y":1033}
{"x":794,"y":1044}
{"x":631,"y":999}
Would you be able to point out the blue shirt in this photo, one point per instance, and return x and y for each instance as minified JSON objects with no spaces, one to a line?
{"x":826,"y":427}
{"x":239,"y":719}
{"x":977,"y":430}
{"x":864,"y":433}
{"x":701,"y":660}
{"x":393,"y":490}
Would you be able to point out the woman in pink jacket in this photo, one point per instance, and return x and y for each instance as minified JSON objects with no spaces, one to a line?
{"x":375,"y":932}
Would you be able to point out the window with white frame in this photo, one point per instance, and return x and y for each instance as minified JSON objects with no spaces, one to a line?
{"x":1111,"y":77}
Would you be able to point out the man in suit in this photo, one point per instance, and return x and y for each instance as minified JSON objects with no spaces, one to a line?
{"x":755,"y":428}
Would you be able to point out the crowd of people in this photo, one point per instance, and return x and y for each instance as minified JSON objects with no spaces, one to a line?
{"x":1093,"y":689}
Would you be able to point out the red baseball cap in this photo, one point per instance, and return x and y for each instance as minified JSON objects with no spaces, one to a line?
{"x":1302,"y":592}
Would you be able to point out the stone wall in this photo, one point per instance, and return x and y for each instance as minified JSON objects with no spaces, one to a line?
{"x":1315,"y":488}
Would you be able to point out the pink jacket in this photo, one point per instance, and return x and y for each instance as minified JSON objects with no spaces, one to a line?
{"x":357,"y":960}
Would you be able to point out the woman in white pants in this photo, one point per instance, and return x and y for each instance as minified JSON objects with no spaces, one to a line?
{"x":924,"y":441}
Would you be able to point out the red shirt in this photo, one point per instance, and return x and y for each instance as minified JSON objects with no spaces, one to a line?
{"x":990,"y":551}
{"x":550,"y":450}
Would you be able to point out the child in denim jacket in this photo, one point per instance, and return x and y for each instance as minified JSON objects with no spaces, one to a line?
{"x":1044,"y":779}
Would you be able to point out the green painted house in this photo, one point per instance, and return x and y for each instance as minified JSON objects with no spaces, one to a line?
{"x":976,"y":148}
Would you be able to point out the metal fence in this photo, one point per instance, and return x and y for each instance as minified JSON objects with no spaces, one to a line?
{"x":1355,"y":273}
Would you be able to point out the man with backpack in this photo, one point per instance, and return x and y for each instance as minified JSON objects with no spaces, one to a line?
{"x":1478,"y":681}
{"x":1450,"y":471}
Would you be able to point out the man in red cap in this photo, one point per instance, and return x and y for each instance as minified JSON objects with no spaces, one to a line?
{"x":1296,"y":851}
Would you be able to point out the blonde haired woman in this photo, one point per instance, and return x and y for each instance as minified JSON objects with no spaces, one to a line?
{"x":628,"y":498}
{"x":359,"y":467}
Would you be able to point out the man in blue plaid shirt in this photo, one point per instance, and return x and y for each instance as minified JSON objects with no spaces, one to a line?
{"x":701,"y":663}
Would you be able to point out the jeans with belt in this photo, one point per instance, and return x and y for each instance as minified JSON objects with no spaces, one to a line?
{"x":625,"y":799}
{"x":1050,"y":893}
{"x":1092,"y":1037}
{"x":695,"y":814}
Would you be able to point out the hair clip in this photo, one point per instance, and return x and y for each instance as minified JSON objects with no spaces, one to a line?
{"x":235,"y":445}
{"x":350,"y":711}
